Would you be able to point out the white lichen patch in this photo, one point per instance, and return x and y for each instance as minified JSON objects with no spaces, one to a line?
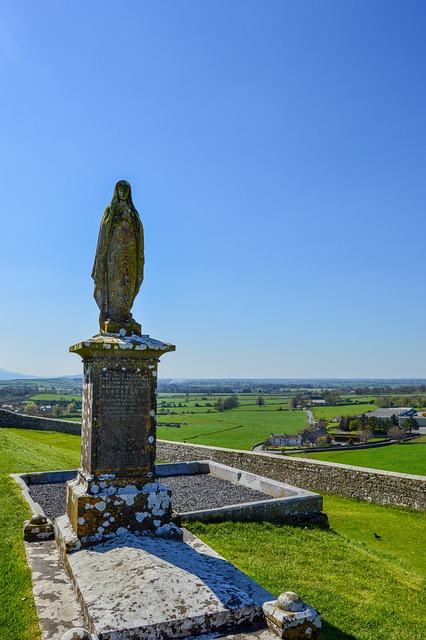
{"x":95,"y":488}
{"x":150,"y":487}
{"x":141,"y":515}
{"x":157,"y":523}
{"x":106,"y":476}
{"x":158,"y":503}
{"x":81,"y":520}
{"x":150,"y":440}
{"x":130,"y":488}
{"x":152,"y":413}
{"x":105,"y":345}
{"x":121,"y":531}
{"x":100,"y":506}
{"x":88,"y":505}
{"x":154,"y":373}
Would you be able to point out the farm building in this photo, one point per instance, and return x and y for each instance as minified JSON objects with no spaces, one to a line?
{"x":283,"y":440}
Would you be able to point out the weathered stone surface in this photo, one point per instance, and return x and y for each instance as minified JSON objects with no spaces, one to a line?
{"x":12,"y":420}
{"x":57,"y":606}
{"x":148,"y":588}
{"x":38,"y":527}
{"x":115,"y":489}
{"x":59,"y":611}
{"x":290,"y":617}
{"x":383,"y":487}
{"x":78,"y":633}
{"x":119,"y":263}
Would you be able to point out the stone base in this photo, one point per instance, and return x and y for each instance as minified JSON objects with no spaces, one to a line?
{"x":290,"y":618}
{"x":150,"y":588}
{"x":37,"y":528}
{"x":101,"y":508}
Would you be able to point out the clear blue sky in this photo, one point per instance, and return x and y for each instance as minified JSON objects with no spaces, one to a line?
{"x":277,"y":155}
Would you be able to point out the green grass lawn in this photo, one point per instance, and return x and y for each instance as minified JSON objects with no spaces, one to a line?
{"x":240,"y":428}
{"x":365,"y":588}
{"x":22,"y":451}
{"x":403,"y":458}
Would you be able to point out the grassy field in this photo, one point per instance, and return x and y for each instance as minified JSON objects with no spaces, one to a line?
{"x":241,"y":427}
{"x":328,"y":413}
{"x":365,"y":589}
{"x":55,"y":397}
{"x":403,"y":458}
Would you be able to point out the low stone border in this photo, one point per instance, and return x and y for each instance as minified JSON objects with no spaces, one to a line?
{"x":383,"y":487}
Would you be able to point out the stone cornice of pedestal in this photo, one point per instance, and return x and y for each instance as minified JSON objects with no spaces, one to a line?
{"x":114,"y":344}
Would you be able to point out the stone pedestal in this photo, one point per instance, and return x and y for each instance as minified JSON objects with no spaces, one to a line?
{"x":116,"y":490}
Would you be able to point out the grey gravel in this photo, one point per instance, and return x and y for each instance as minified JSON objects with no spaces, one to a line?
{"x":189,"y":493}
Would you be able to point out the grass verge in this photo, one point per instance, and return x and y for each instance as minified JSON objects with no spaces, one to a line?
{"x":23,"y":451}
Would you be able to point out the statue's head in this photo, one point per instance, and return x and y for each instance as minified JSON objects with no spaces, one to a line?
{"x":123,"y":189}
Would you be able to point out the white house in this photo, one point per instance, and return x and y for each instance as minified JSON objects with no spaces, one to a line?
{"x":283,"y":440}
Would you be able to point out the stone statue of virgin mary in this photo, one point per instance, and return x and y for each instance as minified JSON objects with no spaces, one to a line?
{"x":119,"y":263}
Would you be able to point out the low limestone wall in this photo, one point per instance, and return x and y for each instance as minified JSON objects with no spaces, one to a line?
{"x":19,"y":421}
{"x":384,"y":487}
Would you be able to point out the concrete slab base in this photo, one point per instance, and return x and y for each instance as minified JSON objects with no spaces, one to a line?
{"x":148,"y":588}
{"x":57,"y":606}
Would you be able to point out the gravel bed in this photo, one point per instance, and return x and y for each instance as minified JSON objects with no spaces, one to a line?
{"x":189,"y":493}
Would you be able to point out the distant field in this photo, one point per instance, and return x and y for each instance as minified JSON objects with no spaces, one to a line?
{"x":328,"y":413}
{"x":49,"y":397}
{"x":403,"y":458}
{"x":241,"y":427}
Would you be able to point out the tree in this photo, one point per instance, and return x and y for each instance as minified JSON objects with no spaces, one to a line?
{"x":260,"y":401}
{"x":332,"y":397}
{"x":365,"y":435}
{"x":295,"y":402}
{"x":409,"y":424}
{"x":57,"y":410}
{"x":323,"y":441}
{"x":219,"y":406}
{"x":231,"y":403}
{"x":394,"y":420}
{"x":396,"y":433}
{"x":31,"y":408}
{"x":71,"y":407}
{"x":354,"y":425}
{"x":322,"y":424}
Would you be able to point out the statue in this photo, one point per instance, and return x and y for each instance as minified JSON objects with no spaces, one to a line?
{"x":119,"y":263}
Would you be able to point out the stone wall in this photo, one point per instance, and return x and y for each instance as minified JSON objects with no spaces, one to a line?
{"x":19,"y":421}
{"x":383,"y":487}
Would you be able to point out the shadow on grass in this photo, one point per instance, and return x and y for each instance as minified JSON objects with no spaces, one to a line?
{"x":330,"y":632}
